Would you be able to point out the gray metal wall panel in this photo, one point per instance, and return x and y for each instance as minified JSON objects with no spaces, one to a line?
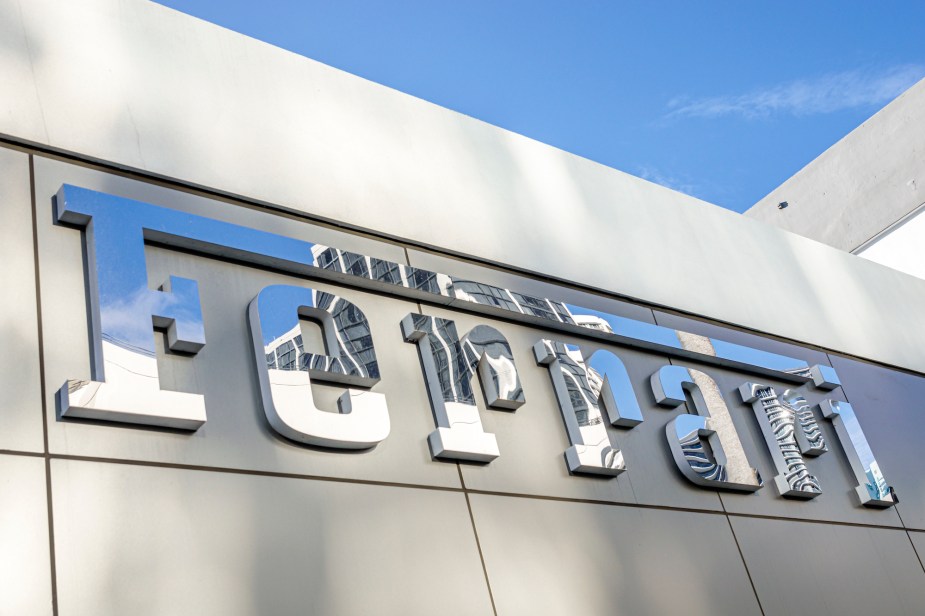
{"x":918,"y":542}
{"x":143,"y":540}
{"x":825,"y":569}
{"x":550,"y":557}
{"x":891,"y":406}
{"x":237,"y":433}
{"x":144,"y":87}
{"x":21,"y":409}
{"x":25,"y":572}
{"x":837,"y":501}
{"x":542,"y":555}
{"x":533,"y":439}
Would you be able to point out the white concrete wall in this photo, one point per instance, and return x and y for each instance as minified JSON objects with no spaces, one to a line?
{"x":142,"y":87}
{"x":860,"y":186}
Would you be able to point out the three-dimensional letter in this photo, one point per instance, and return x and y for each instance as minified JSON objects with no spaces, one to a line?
{"x":286,"y":370}
{"x":729,"y":467}
{"x":124,"y":311}
{"x":449,"y":363}
{"x":581,"y":391}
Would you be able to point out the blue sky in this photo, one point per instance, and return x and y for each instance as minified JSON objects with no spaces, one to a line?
{"x":721,"y":100}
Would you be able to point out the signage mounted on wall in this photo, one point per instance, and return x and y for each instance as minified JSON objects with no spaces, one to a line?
{"x":591,"y":387}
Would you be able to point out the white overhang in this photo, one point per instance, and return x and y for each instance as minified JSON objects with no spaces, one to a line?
{"x":862,"y":186}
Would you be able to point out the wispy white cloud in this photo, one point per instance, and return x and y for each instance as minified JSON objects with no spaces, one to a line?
{"x":667,"y":180}
{"x":832,"y":92}
{"x":128,"y":320}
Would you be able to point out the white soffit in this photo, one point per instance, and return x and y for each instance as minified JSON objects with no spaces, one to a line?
{"x":144,"y":87}
{"x":862,"y":185}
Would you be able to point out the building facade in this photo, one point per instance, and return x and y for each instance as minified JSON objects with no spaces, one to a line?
{"x":864,"y":194}
{"x":280,"y":340}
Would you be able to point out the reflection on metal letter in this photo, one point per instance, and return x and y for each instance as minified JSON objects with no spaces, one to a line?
{"x":449,"y":365}
{"x":729,"y":467}
{"x":778,"y":417}
{"x":212,"y":237}
{"x":580,"y":391}
{"x":123,"y":313}
{"x":609,"y":380}
{"x":809,"y":435}
{"x":872,"y":488}
{"x":286,"y":370}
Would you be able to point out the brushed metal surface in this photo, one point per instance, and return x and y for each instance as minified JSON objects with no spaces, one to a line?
{"x":237,"y":433}
{"x":825,"y":569}
{"x":21,"y":406}
{"x":602,"y":559}
{"x":25,"y":572}
{"x":891,"y":408}
{"x":533,"y":439}
{"x":142,"y":540}
{"x":838,"y":500}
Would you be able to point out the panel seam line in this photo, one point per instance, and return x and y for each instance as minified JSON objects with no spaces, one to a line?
{"x":42,"y":391}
